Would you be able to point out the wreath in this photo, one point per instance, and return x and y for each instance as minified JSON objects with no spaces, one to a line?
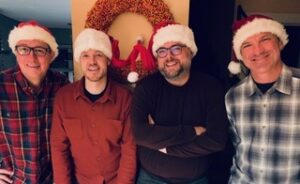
{"x":102,"y":15}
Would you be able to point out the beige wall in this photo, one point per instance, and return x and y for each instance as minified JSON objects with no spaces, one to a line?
{"x":127,"y":27}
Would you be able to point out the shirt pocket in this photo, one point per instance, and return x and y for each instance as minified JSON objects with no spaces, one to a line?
{"x":73,"y":128}
{"x":112,"y":131}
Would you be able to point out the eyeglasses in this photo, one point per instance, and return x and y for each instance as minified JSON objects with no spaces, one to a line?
{"x":175,"y":50}
{"x":38,"y":51}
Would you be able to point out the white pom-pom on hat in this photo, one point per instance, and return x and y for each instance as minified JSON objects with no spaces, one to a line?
{"x":234,"y":67}
{"x":133,"y":77}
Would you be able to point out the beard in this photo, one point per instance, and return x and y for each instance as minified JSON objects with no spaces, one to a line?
{"x":172,"y":73}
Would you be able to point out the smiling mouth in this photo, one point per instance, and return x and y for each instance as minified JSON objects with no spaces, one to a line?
{"x":33,"y":66}
{"x":171,"y":63}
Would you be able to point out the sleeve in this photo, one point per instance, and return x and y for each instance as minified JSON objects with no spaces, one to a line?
{"x":59,"y":143}
{"x":127,"y":168}
{"x":214,"y":138}
{"x":154,"y":136}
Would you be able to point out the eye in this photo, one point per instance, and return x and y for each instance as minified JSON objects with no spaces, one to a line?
{"x":162,"y":52}
{"x":246,"y":45}
{"x":84,"y":55}
{"x":99,"y":55}
{"x":22,"y":49}
{"x":40,"y":51}
{"x":176,"y":49}
{"x":265,"y":39}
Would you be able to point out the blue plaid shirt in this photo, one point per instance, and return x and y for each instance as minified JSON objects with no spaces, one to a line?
{"x":266,"y":130}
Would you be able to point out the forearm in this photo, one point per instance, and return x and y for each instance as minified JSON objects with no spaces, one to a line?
{"x":60,"y":151}
{"x":201,"y":146}
{"x":127,"y":166}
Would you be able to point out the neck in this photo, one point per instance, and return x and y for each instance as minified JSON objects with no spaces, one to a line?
{"x":95,"y":87}
{"x":35,"y":84}
{"x":267,"y":77}
{"x":179,"y":81}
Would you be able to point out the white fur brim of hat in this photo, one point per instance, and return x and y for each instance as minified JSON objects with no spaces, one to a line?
{"x":30,"y":32}
{"x":92,"y":39}
{"x":258,"y":25}
{"x":174,"y":33}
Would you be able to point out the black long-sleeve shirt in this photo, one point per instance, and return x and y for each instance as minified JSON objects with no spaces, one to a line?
{"x":175,"y":111}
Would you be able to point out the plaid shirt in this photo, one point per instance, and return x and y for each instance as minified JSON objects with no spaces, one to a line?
{"x":266,"y":130}
{"x":24,"y":126}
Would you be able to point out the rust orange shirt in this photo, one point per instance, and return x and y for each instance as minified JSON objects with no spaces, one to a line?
{"x":92,"y":141}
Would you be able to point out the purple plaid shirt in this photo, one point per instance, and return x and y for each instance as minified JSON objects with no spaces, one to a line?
{"x":25,"y":123}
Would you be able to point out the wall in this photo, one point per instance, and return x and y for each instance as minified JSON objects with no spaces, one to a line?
{"x":126,"y":27}
{"x":7,"y":59}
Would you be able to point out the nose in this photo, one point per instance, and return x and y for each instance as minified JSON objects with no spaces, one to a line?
{"x":32,"y":55}
{"x":169,"y":55}
{"x":258,"y":49}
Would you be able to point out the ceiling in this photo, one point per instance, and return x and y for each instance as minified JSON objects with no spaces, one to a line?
{"x":57,"y":13}
{"x":51,"y":13}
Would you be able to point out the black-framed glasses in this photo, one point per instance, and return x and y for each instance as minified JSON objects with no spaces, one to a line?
{"x":174,"y":50}
{"x":38,"y":51}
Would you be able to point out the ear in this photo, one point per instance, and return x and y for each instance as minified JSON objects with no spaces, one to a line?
{"x":108,"y":61}
{"x":52,"y":56}
{"x":281,"y":45}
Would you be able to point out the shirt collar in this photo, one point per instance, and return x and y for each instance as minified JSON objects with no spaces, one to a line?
{"x":109,"y":93}
{"x":23,"y":82}
{"x":283,"y":83}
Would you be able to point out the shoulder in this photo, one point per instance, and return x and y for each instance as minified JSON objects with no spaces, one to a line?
{"x":206,"y":81}
{"x":67,"y":89}
{"x":295,"y":72}
{"x":149,"y":80}
{"x":57,"y":77}
{"x":7,"y":75}
{"x":120,"y":88}
{"x":237,"y":88}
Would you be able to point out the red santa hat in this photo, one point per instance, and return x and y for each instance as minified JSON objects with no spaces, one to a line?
{"x":171,"y":32}
{"x":32,"y":30}
{"x":248,"y":27}
{"x":92,"y":39}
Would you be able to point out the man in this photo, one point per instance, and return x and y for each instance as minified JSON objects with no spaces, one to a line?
{"x":91,"y":135}
{"x":179,"y":116}
{"x":27,"y":93}
{"x":263,"y":109}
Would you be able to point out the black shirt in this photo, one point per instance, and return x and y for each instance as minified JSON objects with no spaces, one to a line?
{"x":175,"y":111}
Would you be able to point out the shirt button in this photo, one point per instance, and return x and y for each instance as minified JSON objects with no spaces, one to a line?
{"x":262,"y":149}
{"x":265,"y":105}
{"x":93,"y":125}
{"x":95,"y":142}
{"x":261,"y":171}
{"x":99,"y":158}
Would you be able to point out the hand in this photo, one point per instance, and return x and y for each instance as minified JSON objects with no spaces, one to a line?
{"x":150,"y":120}
{"x":5,"y":176}
{"x":199,"y":130}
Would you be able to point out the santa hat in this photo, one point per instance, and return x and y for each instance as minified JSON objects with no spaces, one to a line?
{"x":250,"y":26}
{"x":32,"y":30}
{"x":92,"y":39}
{"x":138,"y":53}
{"x":170,"y":32}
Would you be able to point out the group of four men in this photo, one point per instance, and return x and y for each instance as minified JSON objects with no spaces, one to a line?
{"x":176,"y":117}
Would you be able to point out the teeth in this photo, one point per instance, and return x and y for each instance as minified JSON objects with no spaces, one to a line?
{"x":33,"y":66}
{"x":171,"y":63}
{"x":93,"y":68}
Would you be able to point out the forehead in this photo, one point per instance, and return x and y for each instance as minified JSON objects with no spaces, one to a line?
{"x":33,"y":43}
{"x":170,"y":44}
{"x":91,"y":51}
{"x":260,"y":35}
